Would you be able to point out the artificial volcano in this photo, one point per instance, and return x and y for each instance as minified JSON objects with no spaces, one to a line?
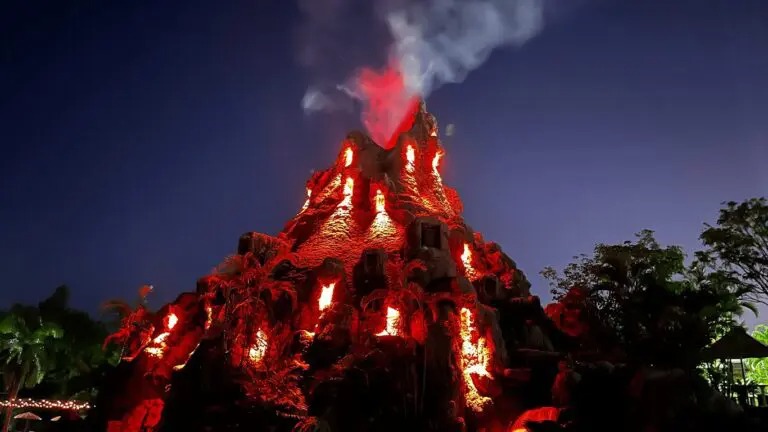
{"x":377,"y":307}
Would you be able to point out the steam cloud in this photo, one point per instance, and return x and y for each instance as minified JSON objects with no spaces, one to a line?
{"x":433,"y":42}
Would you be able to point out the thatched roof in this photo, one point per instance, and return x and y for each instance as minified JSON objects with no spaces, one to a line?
{"x":736,"y":344}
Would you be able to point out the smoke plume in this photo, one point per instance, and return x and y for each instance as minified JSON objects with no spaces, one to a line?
{"x":431,"y":43}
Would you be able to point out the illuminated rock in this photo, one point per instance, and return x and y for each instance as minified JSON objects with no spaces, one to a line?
{"x":376,"y":301}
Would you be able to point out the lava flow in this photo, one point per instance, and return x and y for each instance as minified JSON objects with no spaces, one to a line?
{"x":158,"y":347}
{"x":475,"y":358}
{"x":393,"y":322}
{"x":326,"y":296}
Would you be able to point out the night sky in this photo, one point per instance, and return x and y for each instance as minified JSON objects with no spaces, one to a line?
{"x":140,"y":139}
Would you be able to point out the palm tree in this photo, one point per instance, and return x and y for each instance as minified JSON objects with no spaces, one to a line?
{"x":128,"y":317}
{"x":25,"y":352}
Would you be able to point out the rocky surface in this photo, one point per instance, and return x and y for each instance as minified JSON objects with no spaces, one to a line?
{"x":375,"y":308}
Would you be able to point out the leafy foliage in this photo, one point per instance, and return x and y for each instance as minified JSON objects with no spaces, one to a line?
{"x":738,"y":246}
{"x":658,"y":310}
{"x":25,"y":351}
{"x":757,"y":369}
{"x":52,"y":350}
{"x":79,"y":356}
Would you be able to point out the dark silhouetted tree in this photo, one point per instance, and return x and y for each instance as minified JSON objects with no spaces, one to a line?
{"x":737,"y":246}
{"x":657,"y":309}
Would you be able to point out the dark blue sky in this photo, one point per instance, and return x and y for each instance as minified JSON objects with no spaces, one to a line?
{"x":141,"y":139}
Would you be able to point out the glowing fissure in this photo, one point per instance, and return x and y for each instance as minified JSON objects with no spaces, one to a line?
{"x":348,"y":155}
{"x":436,"y":165}
{"x":258,"y":349}
{"x":349,"y":187}
{"x":158,"y":347}
{"x":466,"y":259}
{"x":410,"y":158}
{"x":172,"y":321}
{"x":306,"y":203}
{"x":326,"y":296}
{"x":475,"y":358}
{"x":379,"y":201}
{"x":208,"y":317}
{"x":393,"y":322}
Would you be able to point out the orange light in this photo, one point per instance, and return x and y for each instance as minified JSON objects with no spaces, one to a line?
{"x":466,"y":258}
{"x":158,"y":343}
{"x":436,"y":164}
{"x":257,"y":351}
{"x":326,"y":296}
{"x":209,"y":317}
{"x":154,"y":351}
{"x":393,"y":322}
{"x":306,"y":203}
{"x":379,"y":200}
{"x":161,"y":338}
{"x":475,"y":359}
{"x":349,"y":187}
{"x":348,"y":155}
{"x":172,"y":320}
{"x":410,"y":157}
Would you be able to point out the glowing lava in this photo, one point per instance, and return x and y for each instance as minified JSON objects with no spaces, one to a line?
{"x":436,"y":165}
{"x":257,"y":351}
{"x":379,"y":201}
{"x":348,"y":155}
{"x":326,"y":296}
{"x":208,"y":317}
{"x":475,"y":358}
{"x":410,"y":157}
{"x":393,"y":322}
{"x":172,"y":319}
{"x":349,"y":187}
{"x":466,"y":259}
{"x":158,"y":344}
{"x":306,"y":203}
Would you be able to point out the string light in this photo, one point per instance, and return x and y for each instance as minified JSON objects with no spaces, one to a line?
{"x":45,"y":404}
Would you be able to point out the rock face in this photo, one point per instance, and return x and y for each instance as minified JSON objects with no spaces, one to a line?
{"x":375,"y":308}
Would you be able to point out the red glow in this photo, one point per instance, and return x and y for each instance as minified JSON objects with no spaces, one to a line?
{"x":306,"y":203}
{"x":379,"y":201}
{"x":475,"y":358}
{"x":393,"y":322}
{"x":326,"y":296}
{"x":171,"y":321}
{"x":466,"y":259}
{"x":349,"y":187}
{"x":389,"y":106}
{"x":410,"y":157}
{"x":158,"y":347}
{"x":259,"y":349}
{"x":208,"y":317}
{"x":436,"y":164}
{"x":348,"y":155}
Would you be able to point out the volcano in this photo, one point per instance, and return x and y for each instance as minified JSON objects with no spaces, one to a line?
{"x":377,"y":307}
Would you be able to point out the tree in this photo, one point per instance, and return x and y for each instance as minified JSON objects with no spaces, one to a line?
{"x":25,"y":351}
{"x":79,"y":355}
{"x":642,"y":295}
{"x":738,"y":246}
{"x":757,"y":369}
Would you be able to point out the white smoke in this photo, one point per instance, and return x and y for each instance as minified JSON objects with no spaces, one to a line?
{"x":435,"y":42}
{"x":441,"y":41}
